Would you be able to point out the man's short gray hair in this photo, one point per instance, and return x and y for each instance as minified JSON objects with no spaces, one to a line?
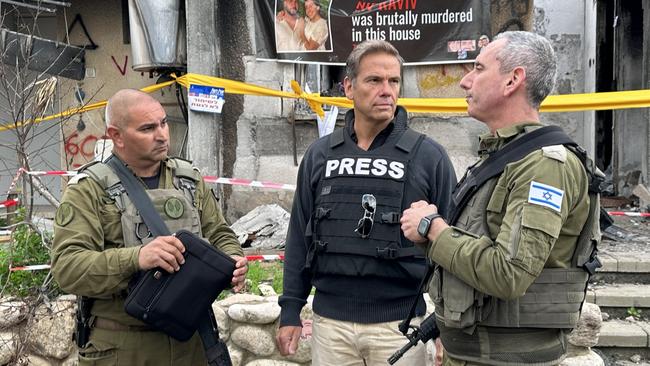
{"x":107,"y":114}
{"x":535,"y":54}
{"x":366,"y":48}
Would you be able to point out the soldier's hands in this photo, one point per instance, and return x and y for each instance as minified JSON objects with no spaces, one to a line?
{"x":440,"y":350}
{"x":287,"y":339}
{"x":411,"y":219}
{"x":239,"y":275}
{"x":165,"y":252}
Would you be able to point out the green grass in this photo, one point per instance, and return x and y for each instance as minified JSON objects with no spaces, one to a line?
{"x":265,"y":273}
{"x":270,"y":273}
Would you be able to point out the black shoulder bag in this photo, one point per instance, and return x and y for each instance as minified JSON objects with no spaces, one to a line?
{"x":161,"y":299}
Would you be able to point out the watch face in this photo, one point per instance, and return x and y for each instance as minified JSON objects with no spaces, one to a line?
{"x":423,"y":227}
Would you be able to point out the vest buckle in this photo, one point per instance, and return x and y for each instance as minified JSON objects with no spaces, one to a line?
{"x":322,"y":213}
{"x":390,"y":217}
{"x":320,"y":246}
{"x":592,"y":265}
{"x":387,"y":253}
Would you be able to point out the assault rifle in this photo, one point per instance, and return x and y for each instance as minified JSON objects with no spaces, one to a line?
{"x":427,"y":330}
{"x":82,"y":331}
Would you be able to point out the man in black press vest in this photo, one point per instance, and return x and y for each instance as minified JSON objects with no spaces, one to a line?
{"x":344,"y":236}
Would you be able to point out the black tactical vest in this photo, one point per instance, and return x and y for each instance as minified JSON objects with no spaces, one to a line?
{"x":349,"y":173}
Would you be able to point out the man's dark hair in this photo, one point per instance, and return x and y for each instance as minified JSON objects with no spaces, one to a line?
{"x":366,"y":48}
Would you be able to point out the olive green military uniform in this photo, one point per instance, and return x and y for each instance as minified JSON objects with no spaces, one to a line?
{"x":90,"y":258}
{"x":520,"y":238}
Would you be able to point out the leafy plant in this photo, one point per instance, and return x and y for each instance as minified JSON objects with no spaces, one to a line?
{"x":26,"y":248}
{"x":634,"y":312}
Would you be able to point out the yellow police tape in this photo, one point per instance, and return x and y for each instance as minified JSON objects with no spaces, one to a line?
{"x":554,"y":103}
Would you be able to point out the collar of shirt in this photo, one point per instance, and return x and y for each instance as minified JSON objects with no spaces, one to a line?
{"x":399,"y":121}
{"x":379,"y":140}
{"x":489,"y":143}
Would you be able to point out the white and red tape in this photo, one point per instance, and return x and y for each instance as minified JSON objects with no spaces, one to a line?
{"x":207,"y":179}
{"x":251,"y":258}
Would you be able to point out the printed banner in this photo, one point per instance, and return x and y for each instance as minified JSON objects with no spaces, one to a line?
{"x":325,"y":31}
{"x":205,"y":98}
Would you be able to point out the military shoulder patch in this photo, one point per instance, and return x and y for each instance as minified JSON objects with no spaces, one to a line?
{"x":545,"y":195}
{"x":556,"y":152}
{"x":64,"y":214}
{"x":75,"y":179}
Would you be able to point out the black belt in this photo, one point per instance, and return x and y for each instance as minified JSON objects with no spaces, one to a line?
{"x":107,"y":324}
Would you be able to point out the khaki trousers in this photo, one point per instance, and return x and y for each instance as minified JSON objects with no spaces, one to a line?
{"x":130,"y":348}
{"x":341,"y":343}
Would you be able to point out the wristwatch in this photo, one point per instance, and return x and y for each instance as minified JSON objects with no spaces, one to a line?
{"x":425,"y":224}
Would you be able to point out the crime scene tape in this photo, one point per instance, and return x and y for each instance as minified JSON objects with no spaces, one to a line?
{"x":36,"y":267}
{"x":52,"y":172}
{"x":207,"y":179}
{"x":250,"y":258}
{"x":554,"y":103}
{"x":19,"y":172}
{"x":267,"y":257}
{"x":247,"y":182}
{"x":8,"y":203}
{"x":634,"y":214}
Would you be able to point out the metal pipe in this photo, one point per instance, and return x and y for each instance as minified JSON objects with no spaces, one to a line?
{"x":35,"y":7}
{"x":60,"y":3}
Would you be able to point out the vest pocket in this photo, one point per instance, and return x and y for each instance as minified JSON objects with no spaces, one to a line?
{"x":459,"y":309}
{"x":435,"y":287}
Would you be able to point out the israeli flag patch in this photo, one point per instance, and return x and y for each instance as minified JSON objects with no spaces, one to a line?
{"x":545,"y":195}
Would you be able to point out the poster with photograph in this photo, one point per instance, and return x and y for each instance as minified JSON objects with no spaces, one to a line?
{"x":325,"y":31}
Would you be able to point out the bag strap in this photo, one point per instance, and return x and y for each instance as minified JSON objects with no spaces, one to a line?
{"x":216,"y":350}
{"x":497,"y":161}
{"x":139,"y":197}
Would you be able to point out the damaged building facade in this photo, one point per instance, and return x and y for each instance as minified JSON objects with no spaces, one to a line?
{"x":601,"y":46}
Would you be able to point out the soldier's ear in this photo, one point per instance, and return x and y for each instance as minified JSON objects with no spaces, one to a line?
{"x":515,"y":81}
{"x":115,"y":134}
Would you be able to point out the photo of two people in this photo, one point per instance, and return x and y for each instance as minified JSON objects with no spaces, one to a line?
{"x":302,"y":26}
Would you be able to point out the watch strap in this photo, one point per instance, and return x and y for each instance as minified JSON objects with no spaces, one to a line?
{"x":434,"y":216}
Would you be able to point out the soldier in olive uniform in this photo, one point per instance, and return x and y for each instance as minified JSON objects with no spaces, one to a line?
{"x":519,"y":228}
{"x":99,"y":236}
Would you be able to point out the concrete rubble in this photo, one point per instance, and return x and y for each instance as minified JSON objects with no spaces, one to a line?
{"x":264,"y":227}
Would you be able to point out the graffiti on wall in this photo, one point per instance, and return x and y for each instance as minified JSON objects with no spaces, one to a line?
{"x":80,"y":149}
{"x":122,"y":69}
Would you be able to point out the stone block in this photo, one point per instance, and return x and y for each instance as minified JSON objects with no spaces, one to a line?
{"x":12,"y":313}
{"x":586,"y":332}
{"x":620,"y":333}
{"x":633,"y":262}
{"x":7,"y":347}
{"x":609,"y":262}
{"x":255,"y":313}
{"x":623,"y":295}
{"x":257,"y":340}
{"x":590,"y":358}
{"x":50,"y":330}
